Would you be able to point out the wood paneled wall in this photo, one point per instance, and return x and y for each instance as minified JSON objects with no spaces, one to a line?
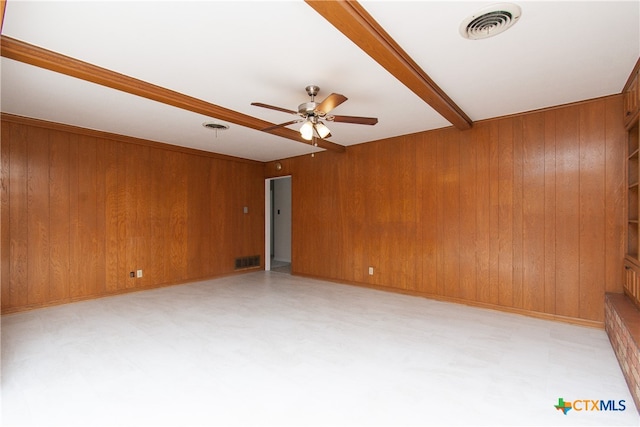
{"x":80,"y":211}
{"x":524,"y":213}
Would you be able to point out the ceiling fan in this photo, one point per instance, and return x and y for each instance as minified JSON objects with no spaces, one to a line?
{"x":312,"y":113}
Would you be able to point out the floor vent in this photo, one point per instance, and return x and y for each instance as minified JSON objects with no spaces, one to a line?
{"x":248,"y":262}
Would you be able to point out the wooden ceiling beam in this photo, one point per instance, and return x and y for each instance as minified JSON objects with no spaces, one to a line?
{"x":43,"y":58}
{"x":3,"y":8}
{"x":355,"y":22}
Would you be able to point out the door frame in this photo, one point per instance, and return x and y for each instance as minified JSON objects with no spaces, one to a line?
{"x":267,"y":219}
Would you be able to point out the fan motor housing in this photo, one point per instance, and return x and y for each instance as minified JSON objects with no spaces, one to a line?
{"x":308,"y":108}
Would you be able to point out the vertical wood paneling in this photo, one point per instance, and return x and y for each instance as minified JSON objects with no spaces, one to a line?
{"x":218,"y":178}
{"x":111,"y":216}
{"x":179,"y":240}
{"x":567,"y":212}
{"x":592,"y":211}
{"x":396,"y":215}
{"x":141,"y":225}
{"x":101,"y":216}
{"x":155,"y":272}
{"x":37,"y":215}
{"x":410,"y":215}
{"x":198,"y":211}
{"x":318,"y":208}
{"x":138,"y":227}
{"x":59,"y":216}
{"x":80,"y":212}
{"x":77,"y":285}
{"x":468,"y":216}
{"x":451,"y":200}
{"x":427,"y":194}
{"x":483,"y":213}
{"x":239,"y":218}
{"x":18,"y":228}
{"x":440,"y":142}
{"x":524,"y":212}
{"x":253,"y":175}
{"x":404,"y":216}
{"x":357,"y":208}
{"x":334,"y":218}
{"x":518,"y":187}
{"x":234,"y":215}
{"x":614,"y":193}
{"x":550,"y":212}
{"x":131,"y":231}
{"x":178,"y":216}
{"x":255,"y":208}
{"x":325,"y":211}
{"x":533,"y":212}
{"x":505,"y":212}
{"x":122,"y":202}
{"x":377,"y":208}
{"x":506,"y":198}
{"x":343,"y":266}
{"x":5,"y":242}
{"x":493,"y":296}
{"x":87,"y":216}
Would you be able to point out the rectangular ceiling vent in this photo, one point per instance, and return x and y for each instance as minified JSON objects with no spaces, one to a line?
{"x":248,"y":262}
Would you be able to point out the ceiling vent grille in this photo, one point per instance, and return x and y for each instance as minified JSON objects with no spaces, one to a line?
{"x":215,"y":126}
{"x":490,"y":21}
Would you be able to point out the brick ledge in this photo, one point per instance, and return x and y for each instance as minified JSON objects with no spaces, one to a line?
{"x":629,"y":314}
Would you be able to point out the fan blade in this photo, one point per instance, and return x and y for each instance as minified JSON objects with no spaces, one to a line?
{"x":280,"y":125}
{"x":330,"y":102}
{"x":353,"y":119}
{"x":271,"y":107}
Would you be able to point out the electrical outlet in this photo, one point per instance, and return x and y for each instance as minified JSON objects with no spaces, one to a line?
{"x":370,"y":271}
{"x":139,"y":273}
{"x":132,"y":274}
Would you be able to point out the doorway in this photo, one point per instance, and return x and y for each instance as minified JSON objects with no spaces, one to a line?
{"x":278,"y":224}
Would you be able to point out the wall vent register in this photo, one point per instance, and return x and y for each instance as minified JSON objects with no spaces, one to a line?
{"x":247,"y":262}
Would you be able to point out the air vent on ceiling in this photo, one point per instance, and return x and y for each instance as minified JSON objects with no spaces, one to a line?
{"x":215,"y":126}
{"x":490,"y":21}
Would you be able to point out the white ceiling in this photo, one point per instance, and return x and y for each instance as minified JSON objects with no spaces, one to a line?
{"x":232,"y":53}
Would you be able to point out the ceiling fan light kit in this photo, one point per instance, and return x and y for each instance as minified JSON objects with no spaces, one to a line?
{"x":322,"y":130}
{"x":306,"y":130}
{"x":311,"y":112}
